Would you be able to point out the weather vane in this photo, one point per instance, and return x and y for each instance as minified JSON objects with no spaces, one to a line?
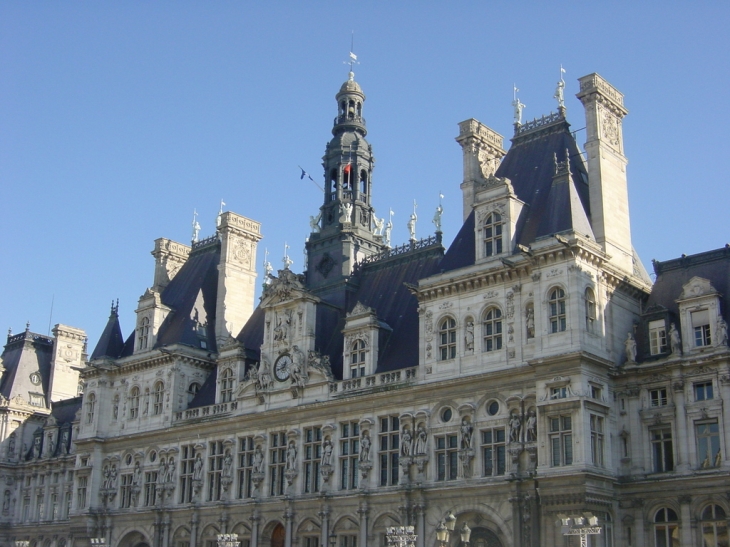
{"x":352,"y":61}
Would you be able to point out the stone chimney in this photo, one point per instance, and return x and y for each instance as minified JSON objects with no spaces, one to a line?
{"x":69,"y":345}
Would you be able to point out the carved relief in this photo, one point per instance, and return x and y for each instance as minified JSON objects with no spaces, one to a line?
{"x":242,"y":253}
{"x":610,"y":128}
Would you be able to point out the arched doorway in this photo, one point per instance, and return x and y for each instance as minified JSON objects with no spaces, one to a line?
{"x":483,"y":537}
{"x":278,"y":536}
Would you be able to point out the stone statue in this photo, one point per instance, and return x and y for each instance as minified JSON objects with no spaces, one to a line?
{"x":314,"y":223}
{"x":227,"y":465}
{"x":107,"y":478}
{"x":630,"y":345}
{"x":437,"y":217}
{"x":420,"y":445}
{"x":264,"y":374}
{"x":531,"y":427}
{"x":412,"y":225}
{"x":137,"y":474}
{"x":466,"y":433}
{"x":281,"y":330}
{"x":365,"y":447}
{"x":469,"y":336}
{"x":379,"y":224}
{"x":675,"y":341}
{"x":162,"y":471}
{"x":519,"y":107}
{"x":170,"y":470}
{"x":11,"y":445}
{"x":196,"y":227}
{"x":559,"y":94}
{"x":258,"y":460}
{"x":388,"y":229}
{"x":327,"y":452}
{"x":113,"y":476}
{"x":6,"y":502}
{"x":405,"y":442}
{"x":721,"y":331}
{"x":346,"y":216}
{"x":530,"y":322}
{"x":718,"y":458}
{"x":197,"y":468}
{"x":291,"y":456}
{"x":295,"y":373}
{"x":515,"y":427}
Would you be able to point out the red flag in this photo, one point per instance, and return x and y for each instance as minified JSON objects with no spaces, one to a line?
{"x":348,"y":168}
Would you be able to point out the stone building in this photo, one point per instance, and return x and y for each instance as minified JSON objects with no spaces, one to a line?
{"x":528,"y":373}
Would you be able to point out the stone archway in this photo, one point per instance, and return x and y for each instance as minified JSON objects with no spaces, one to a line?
{"x":484,"y":537}
{"x":134,"y":539}
{"x":278,"y":536}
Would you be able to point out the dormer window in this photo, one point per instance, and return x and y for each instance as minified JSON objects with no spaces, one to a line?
{"x":493,"y":234}
{"x":144,"y":333}
{"x":226,"y":386}
{"x":657,"y":337}
{"x":358,"y":352}
{"x":701,"y":328}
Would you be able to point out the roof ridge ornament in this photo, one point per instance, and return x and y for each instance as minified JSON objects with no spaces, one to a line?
{"x":559,"y":93}
{"x":518,"y":105}
{"x":196,"y":227}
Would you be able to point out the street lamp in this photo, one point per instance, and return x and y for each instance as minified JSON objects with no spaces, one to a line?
{"x":465,"y":534}
{"x":442,"y":533}
{"x":584,"y":526}
{"x":333,"y":539}
{"x":450,"y":522}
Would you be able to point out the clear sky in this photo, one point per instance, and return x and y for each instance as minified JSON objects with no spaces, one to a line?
{"x":117,"y":119}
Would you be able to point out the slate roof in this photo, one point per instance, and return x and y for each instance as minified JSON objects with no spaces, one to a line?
{"x":111,"y":342}
{"x":24,"y":354}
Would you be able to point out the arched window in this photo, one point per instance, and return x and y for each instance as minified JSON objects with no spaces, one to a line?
{"x":193,"y":391}
{"x":714,"y":526}
{"x":227,"y":385}
{"x":158,"y":398}
{"x":590,"y":299}
{"x":556,"y":305}
{"x":666,"y":528}
{"x":90,"y":407}
{"x":492,"y":330}
{"x":134,"y":403}
{"x":493,"y":235}
{"x":447,"y":345}
{"x":357,"y":359}
{"x":144,"y":333}
{"x":363,"y":184}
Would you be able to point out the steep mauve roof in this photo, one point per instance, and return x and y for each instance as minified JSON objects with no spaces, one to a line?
{"x":462,"y":251}
{"x":24,"y":354}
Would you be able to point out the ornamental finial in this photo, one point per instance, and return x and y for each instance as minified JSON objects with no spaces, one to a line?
{"x":352,"y":61}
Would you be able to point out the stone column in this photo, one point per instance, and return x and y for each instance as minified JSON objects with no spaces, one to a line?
{"x":165,"y":531}
{"x":255,"y":519}
{"x":194,"y":530}
{"x":681,"y":422}
{"x":363,"y":513}
{"x":724,"y":388}
{"x":685,"y":527}
{"x":288,"y":518}
{"x":421,"y":523}
{"x":324,"y":514}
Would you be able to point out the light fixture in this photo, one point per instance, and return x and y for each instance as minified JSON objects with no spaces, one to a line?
{"x":450,"y":522}
{"x":465,"y":534}
{"x":333,"y":539}
{"x":442,"y":533}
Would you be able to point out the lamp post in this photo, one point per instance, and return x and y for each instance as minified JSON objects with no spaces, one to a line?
{"x":228,"y":540}
{"x":400,"y":536}
{"x":448,"y":525}
{"x":333,"y":539}
{"x":580,"y":526}
{"x":465,"y":533}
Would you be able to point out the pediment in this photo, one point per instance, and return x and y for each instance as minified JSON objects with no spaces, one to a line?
{"x":285,"y":288}
{"x":360,"y":309}
{"x":697,"y":287}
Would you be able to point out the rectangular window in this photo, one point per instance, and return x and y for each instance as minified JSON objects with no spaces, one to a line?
{"x":708,"y":444}
{"x":215,"y":470}
{"x":701,"y":327}
{"x":311,"y":541}
{"x":596,"y":423}
{"x":559,"y":392}
{"x":67,"y":505}
{"x":661,"y":442}
{"x":348,"y":541}
{"x":596,"y":392}
{"x":54,"y":506}
{"x":389,"y":449}
{"x":187,"y":467}
{"x":312,"y":458}
{"x":658,"y":397}
{"x":125,"y":500}
{"x":277,"y":464}
{"x":447,"y":462}
{"x":561,"y":441}
{"x":246,"y":453}
{"x":349,"y":454}
{"x":703,"y":391}
{"x":493,"y":452}
{"x":81,"y":492}
{"x":150,"y":488}
{"x":657,"y":337}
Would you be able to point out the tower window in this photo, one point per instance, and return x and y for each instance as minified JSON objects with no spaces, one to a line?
{"x":557,"y":310}
{"x":493,"y":235}
{"x":492,"y":329}
{"x":134,"y":403}
{"x":144,"y":333}
{"x":590,"y":310}
{"x":357,"y":359}
{"x":226,"y":386}
{"x":363,"y":184}
{"x":447,"y":331}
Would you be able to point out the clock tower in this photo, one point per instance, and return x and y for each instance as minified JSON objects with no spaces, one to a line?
{"x":346,"y":229}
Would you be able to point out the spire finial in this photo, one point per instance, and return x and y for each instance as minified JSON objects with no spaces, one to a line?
{"x":559,"y":92}
{"x":196,"y":226}
{"x":27,"y":326}
{"x":352,"y":61}
{"x":518,"y":105}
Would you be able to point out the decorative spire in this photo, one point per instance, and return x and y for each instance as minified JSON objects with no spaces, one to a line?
{"x":518,"y":105}
{"x":196,"y":227}
{"x":27,"y":326}
{"x":559,"y":92}
{"x":115,"y":308}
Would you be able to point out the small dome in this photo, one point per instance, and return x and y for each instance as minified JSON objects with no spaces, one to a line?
{"x":351,"y":85}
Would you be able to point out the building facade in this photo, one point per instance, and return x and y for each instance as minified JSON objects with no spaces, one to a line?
{"x":528,"y":373}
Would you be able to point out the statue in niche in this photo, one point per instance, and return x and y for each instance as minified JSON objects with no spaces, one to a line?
{"x":227,"y":465}
{"x":515,"y":427}
{"x":11,"y":445}
{"x":197,"y":468}
{"x":466,"y":433}
{"x":365,"y":447}
{"x":721,"y":331}
{"x":327,"y":452}
{"x":530,"y":321}
{"x":281,"y":330}
{"x":291,"y":456}
{"x":6,"y":502}
{"x":630,"y":346}
{"x":107,"y":478}
{"x":170,"y":470}
{"x":469,"y":336}
{"x":162,"y":471}
{"x":137,"y":474}
{"x":405,"y":442}
{"x":675,"y":341}
{"x":531,"y":426}
{"x":421,"y":441}
{"x":258,"y":460}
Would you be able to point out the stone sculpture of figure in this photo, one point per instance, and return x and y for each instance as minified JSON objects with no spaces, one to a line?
{"x":258,"y":460}
{"x":137,"y":474}
{"x":466,"y":432}
{"x":519,"y":107}
{"x":107,"y":478}
{"x":113,"y":476}
{"x":437,"y":217}
{"x":295,"y":373}
{"x":718,"y":458}
{"x":531,"y":426}
{"x":162,"y":471}
{"x":170,"y":470}
{"x":379,"y":224}
{"x":515,"y":427}
{"x":291,"y":456}
{"x":559,"y":93}
{"x":706,"y":462}
{"x":405,"y":442}
{"x":469,"y":336}
{"x":11,"y":445}
{"x":630,"y":345}
{"x":412,"y":225}
{"x":721,"y":332}
{"x":388,"y":229}
{"x":314,"y":223}
{"x":421,"y":441}
{"x":197,"y":468}
{"x":346,"y":212}
{"x":64,"y":442}
{"x":265,"y":378}
{"x":6,"y":502}
{"x":675,"y":341}
{"x":365,"y":447}
{"x":227,"y":464}
{"x":530,"y":322}
{"x":327,"y":452}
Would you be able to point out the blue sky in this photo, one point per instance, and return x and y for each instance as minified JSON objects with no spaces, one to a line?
{"x":117,"y":119}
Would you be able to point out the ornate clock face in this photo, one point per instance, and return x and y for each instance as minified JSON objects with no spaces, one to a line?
{"x":35,"y":378}
{"x":281,"y":368}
